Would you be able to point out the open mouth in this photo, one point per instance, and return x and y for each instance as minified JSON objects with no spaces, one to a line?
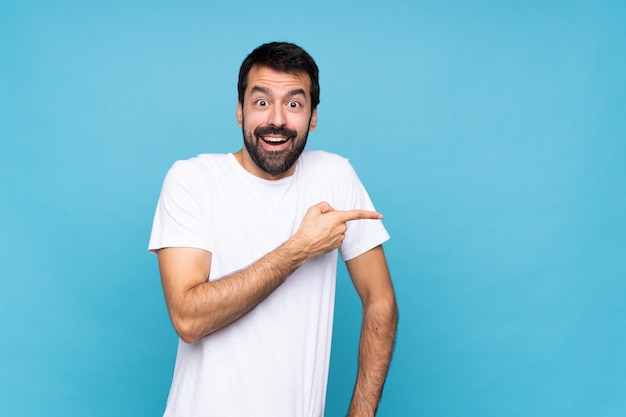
{"x":274,"y":141}
{"x":275,"y":138}
{"x":271,"y":140}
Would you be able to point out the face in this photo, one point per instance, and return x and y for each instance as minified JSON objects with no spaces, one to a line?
{"x":275,"y":117}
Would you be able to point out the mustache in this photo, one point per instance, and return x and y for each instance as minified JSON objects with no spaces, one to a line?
{"x":275,"y":130}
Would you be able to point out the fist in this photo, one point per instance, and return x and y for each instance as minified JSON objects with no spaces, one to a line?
{"x":323,"y":228}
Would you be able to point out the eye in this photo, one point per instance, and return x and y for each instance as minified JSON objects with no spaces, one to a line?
{"x":294,"y":104}
{"x":261,"y":102}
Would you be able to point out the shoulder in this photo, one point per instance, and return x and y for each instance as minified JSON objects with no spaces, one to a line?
{"x":323,"y":160}
{"x":333,"y":165}
{"x":203,"y":161}
{"x":199,"y":166}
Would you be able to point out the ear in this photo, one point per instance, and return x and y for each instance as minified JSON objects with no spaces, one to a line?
{"x":239,"y":115}
{"x":313,"y":121}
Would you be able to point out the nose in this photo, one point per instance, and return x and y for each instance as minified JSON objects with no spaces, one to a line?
{"x":276,"y":116}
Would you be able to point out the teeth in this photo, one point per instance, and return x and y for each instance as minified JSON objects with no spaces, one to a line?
{"x":274,"y":140}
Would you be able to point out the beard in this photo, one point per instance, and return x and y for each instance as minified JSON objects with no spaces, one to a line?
{"x":274,"y":162}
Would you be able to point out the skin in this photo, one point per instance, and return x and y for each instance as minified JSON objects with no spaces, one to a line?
{"x":198,"y":307}
{"x":274,"y":99}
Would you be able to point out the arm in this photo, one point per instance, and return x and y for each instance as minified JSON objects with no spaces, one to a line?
{"x":370,"y":275}
{"x":198,"y":307}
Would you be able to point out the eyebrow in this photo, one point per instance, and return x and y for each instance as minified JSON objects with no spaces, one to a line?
{"x":263,"y":90}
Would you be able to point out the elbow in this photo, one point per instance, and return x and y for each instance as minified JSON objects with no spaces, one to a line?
{"x":386,"y":308}
{"x":396,"y":312}
{"x":190,"y":339}
{"x":392,"y":309}
{"x":186,"y":330}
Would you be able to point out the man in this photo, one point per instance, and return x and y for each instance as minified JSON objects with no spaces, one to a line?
{"x":247,"y":246}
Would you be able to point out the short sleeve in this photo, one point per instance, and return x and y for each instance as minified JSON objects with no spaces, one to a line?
{"x":182,"y":218}
{"x":361,"y":235}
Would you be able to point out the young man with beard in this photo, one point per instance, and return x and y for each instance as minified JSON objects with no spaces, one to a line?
{"x":247,"y":245}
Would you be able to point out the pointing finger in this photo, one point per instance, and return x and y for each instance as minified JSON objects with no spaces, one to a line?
{"x":360,"y":214}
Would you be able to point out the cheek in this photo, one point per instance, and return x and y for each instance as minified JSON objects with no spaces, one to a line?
{"x":251,"y":120}
{"x":246,"y":125}
{"x":305,"y":125}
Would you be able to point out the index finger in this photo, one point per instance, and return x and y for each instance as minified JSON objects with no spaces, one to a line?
{"x":349,"y":215}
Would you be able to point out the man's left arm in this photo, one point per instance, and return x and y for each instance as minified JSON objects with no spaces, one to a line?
{"x":370,"y":276}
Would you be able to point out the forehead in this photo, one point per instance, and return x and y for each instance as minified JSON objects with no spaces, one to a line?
{"x":261,"y":76}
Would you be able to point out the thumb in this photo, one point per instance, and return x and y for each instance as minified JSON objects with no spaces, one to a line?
{"x":324,"y":207}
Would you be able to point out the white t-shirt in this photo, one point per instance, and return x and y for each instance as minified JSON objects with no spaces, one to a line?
{"x":273,"y":362}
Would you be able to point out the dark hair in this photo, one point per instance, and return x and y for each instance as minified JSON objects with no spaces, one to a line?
{"x":281,"y":57}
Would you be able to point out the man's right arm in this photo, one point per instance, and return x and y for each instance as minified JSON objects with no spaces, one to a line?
{"x":198,"y":307}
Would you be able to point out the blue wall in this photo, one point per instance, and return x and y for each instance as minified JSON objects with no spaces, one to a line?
{"x":490,"y":134}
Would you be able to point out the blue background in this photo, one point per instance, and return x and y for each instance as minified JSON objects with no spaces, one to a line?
{"x":490,"y":134}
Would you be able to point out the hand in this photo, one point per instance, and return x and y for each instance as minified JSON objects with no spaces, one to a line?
{"x":323,"y":228}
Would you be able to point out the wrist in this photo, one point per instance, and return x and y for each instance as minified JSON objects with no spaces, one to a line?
{"x":294,"y":250}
